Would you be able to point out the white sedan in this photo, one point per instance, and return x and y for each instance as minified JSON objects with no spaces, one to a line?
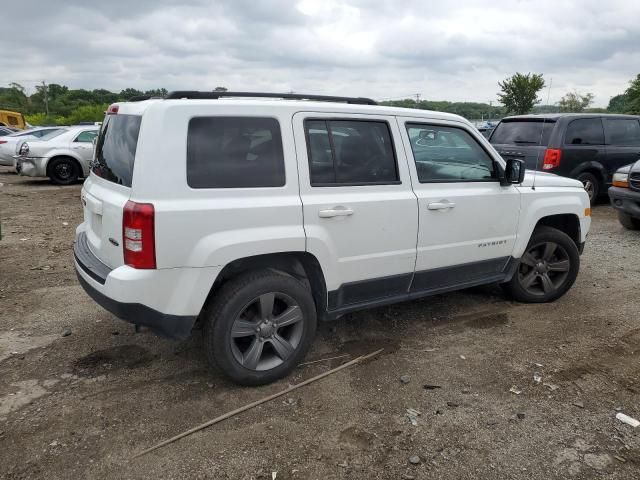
{"x":9,"y":144}
{"x":63,"y":158}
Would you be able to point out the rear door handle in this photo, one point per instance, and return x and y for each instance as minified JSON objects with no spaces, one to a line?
{"x":335,"y":212}
{"x":444,"y":205}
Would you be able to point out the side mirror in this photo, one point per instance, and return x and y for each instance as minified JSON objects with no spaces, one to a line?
{"x":513,"y":172}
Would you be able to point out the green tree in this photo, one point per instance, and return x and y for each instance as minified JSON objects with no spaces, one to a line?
{"x":617,"y":104}
{"x":519,"y":93}
{"x":575,"y":102}
{"x":632,"y":96}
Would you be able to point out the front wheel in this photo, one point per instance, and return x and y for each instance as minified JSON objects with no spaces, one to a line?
{"x":628,"y":221}
{"x":260,"y":326}
{"x":63,"y":171}
{"x":547,"y":269}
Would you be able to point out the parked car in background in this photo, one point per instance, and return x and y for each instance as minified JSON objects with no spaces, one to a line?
{"x":261,"y":217}
{"x":63,"y":157}
{"x":12,"y":119}
{"x":10,"y":143}
{"x":588,"y":147}
{"x":4,"y":131}
{"x":625,"y":195}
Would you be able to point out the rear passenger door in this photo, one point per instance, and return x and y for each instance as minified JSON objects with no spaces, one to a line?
{"x":623,"y":142}
{"x":83,"y":145}
{"x":584,"y":148}
{"x":468,"y":221}
{"x":360,"y":213}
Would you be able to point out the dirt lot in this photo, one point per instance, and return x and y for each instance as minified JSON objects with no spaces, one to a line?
{"x":79,"y":406}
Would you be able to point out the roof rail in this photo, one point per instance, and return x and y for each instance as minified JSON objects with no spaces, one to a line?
{"x":191,"y":94}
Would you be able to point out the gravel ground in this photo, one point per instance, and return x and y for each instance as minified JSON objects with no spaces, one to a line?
{"x":81,"y":393}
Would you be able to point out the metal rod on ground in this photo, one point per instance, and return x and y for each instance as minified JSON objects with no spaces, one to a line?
{"x":258,"y":402}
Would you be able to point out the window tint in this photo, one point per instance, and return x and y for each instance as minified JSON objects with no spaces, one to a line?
{"x":350,"y":152}
{"x":585,"y":131}
{"x":446,"y":154}
{"x":87,"y":136}
{"x":234,"y":152}
{"x":116,"y":148}
{"x":624,"y":132}
{"x":523,"y":132}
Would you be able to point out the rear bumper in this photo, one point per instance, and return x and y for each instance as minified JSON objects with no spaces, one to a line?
{"x":625,"y":200}
{"x":168,"y":301}
{"x":171,"y":326}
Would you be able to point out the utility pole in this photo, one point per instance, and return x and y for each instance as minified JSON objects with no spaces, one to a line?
{"x":549,"y":92}
{"x":417,"y":98}
{"x":46,"y":97}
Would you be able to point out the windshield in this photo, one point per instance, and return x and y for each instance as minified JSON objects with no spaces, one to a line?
{"x":523,"y":132}
{"x":116,"y":148}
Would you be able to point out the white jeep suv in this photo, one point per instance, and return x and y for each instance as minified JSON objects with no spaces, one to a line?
{"x":258,"y":217}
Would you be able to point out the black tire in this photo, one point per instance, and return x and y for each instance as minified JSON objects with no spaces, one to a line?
{"x":592,"y":185}
{"x":629,"y":222}
{"x":538,"y":280}
{"x":63,"y":171}
{"x":240,"y":303}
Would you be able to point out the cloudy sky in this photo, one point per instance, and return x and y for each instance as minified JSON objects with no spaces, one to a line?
{"x":445,"y":50}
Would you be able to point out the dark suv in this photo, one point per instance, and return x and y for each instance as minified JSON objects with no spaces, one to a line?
{"x":588,"y":147}
{"x":625,"y":195}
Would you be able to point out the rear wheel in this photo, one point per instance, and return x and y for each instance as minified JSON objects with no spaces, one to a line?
{"x":259,"y":327}
{"x":547,"y":269}
{"x":591,"y":185}
{"x":63,"y":171}
{"x":628,"y":221}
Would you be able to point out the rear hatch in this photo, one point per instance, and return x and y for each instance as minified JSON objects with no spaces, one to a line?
{"x":523,"y":138}
{"x":106,"y":192}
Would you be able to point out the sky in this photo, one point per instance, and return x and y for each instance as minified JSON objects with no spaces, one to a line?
{"x":454,"y":50}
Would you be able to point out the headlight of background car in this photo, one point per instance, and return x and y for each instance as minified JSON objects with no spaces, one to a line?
{"x":621,"y":180}
{"x":24,"y":149}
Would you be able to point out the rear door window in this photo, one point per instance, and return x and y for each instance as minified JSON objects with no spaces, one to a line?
{"x":623,"y":132}
{"x":350,"y":152}
{"x":523,"y":132}
{"x":234,"y":152}
{"x":86,"y":137}
{"x":585,"y":131}
{"x":116,"y":148}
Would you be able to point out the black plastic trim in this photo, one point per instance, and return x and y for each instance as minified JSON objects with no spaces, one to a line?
{"x":171,"y":326}
{"x":88,"y":261}
{"x":365,"y":294}
{"x":458,"y":274}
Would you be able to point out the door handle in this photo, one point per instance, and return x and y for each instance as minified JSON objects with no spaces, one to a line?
{"x":445,"y":205}
{"x":335,"y":212}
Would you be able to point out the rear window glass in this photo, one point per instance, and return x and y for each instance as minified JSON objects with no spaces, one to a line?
{"x":585,"y":131}
{"x":52,"y":134}
{"x":116,"y":148}
{"x":234,"y":152}
{"x":523,"y":132}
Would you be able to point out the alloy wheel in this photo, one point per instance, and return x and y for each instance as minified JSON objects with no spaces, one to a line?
{"x":590,"y":188}
{"x":267,"y":331}
{"x":544,"y":268}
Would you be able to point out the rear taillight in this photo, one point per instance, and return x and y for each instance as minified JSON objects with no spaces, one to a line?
{"x":138,"y":235}
{"x":551,"y":158}
{"x":2,"y":141}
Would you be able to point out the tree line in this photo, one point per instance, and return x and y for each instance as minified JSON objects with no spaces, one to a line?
{"x":56,"y":104}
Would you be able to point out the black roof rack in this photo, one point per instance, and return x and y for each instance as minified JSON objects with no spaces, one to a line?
{"x":191,"y":94}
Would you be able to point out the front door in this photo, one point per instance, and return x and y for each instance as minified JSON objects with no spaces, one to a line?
{"x":468,"y":221}
{"x":360,"y":213}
